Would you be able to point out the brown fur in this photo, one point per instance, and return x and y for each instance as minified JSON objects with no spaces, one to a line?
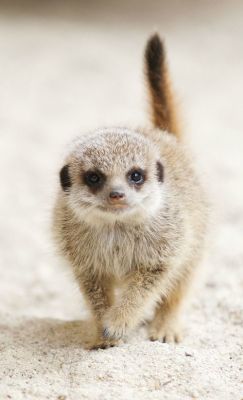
{"x":149,"y":251}
{"x":163,"y":107}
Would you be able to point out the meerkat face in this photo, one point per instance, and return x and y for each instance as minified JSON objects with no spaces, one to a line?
{"x":115,"y":174}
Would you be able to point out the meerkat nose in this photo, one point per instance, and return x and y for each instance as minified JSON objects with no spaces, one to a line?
{"x":115,"y":195}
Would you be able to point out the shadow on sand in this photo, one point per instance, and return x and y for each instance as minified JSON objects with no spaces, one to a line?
{"x":48,"y":333}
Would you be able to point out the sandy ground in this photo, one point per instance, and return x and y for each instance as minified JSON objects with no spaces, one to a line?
{"x":66,"y":67}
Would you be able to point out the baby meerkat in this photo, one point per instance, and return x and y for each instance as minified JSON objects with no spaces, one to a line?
{"x":131,"y":213}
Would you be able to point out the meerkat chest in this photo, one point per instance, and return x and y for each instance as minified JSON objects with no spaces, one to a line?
{"x":112,"y":251}
{"x":116,"y":251}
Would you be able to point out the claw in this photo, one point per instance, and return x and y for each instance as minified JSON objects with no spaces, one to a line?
{"x":106,"y":333}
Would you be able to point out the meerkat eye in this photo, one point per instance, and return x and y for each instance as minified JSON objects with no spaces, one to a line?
{"x":136,"y":176}
{"x":94,"y":179}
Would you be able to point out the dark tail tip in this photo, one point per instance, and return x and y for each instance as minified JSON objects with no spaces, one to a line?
{"x":155,"y":58}
{"x":164,"y":113}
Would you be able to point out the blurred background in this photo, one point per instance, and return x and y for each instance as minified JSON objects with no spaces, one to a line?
{"x":67,"y":67}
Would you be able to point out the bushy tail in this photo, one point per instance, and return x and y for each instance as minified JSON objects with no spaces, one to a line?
{"x":162,"y":101}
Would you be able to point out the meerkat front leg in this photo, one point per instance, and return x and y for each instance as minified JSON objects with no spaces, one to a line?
{"x":141,"y":287}
{"x":98,"y":292}
{"x":166,"y":326}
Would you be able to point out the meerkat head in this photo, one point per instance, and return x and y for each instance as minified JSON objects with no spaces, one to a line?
{"x":113,"y":175}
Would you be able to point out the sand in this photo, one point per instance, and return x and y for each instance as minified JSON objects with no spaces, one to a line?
{"x":68,"y":67}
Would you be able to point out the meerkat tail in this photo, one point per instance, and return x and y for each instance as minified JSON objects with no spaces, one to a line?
{"x":161,"y":94}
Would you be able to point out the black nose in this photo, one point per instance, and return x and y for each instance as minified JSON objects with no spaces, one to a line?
{"x":116,"y":195}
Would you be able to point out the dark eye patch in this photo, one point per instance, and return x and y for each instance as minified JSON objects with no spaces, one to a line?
{"x":136,"y":177}
{"x":160,"y":171}
{"x":65,"y":178}
{"x":94,"y":179}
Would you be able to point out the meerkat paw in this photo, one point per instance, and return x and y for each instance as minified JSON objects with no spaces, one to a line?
{"x":116,"y":324}
{"x":168,"y":333}
{"x":102,"y":343}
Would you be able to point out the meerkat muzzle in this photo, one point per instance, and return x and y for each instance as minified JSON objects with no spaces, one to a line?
{"x":115,"y":196}
{"x":117,"y":199}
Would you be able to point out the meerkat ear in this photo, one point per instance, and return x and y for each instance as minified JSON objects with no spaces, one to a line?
{"x":65,"y":179}
{"x":160,"y":171}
